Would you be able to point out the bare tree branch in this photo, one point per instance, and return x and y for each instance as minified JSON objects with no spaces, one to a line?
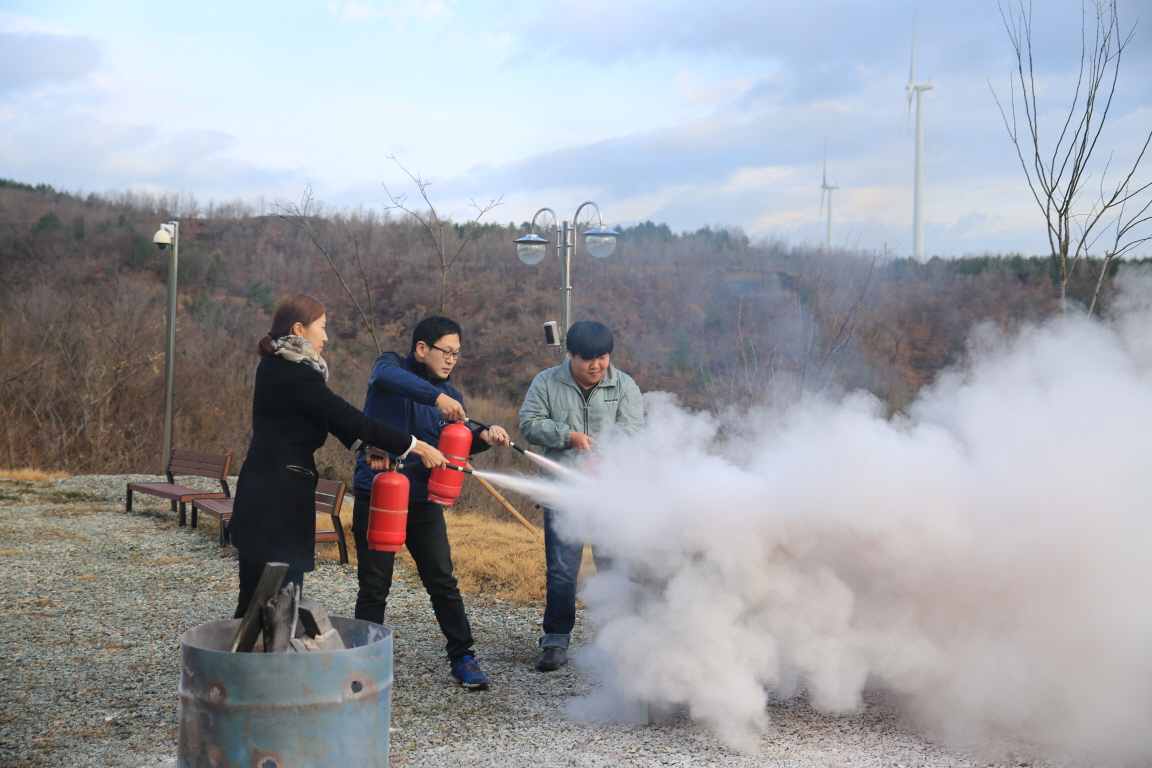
{"x":370,"y":319}
{"x":434,"y":224}
{"x":297,"y":216}
{"x":1058,"y":174}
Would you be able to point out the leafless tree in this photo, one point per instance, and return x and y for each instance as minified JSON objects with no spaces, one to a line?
{"x":1104,"y":220}
{"x":297,"y":215}
{"x":437,"y":226}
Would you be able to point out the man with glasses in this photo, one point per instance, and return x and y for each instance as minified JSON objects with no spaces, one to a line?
{"x":412,"y":393}
{"x":566,"y":408}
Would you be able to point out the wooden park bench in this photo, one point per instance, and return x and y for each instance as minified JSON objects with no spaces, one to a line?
{"x":329,"y":499}
{"x":187,"y":463}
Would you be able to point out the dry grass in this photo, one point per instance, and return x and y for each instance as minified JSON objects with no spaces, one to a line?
{"x":495,"y":558}
{"x":31,"y":474}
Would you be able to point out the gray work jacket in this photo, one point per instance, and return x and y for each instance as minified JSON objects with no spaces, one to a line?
{"x":554,"y":408}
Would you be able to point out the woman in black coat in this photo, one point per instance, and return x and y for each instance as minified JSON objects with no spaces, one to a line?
{"x":274,"y":516}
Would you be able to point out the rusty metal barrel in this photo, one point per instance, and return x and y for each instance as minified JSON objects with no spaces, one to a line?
{"x":285,"y":710}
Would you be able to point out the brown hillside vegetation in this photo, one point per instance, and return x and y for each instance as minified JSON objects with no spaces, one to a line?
{"x":706,"y":314}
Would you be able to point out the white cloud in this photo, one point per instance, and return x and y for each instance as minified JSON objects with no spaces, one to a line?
{"x":695,"y":89}
{"x":29,"y":59}
{"x":73,"y":151}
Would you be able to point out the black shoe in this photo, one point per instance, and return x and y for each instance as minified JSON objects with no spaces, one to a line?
{"x":553,"y":658}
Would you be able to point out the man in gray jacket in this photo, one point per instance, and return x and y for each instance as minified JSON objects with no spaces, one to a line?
{"x":565,"y":409}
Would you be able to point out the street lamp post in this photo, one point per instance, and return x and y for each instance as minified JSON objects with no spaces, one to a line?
{"x":601,"y":242}
{"x":169,"y":234}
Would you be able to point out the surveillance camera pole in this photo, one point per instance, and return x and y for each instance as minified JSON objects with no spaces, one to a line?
{"x":173,"y":228}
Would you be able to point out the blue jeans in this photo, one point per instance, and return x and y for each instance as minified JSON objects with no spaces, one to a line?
{"x":563,"y":558}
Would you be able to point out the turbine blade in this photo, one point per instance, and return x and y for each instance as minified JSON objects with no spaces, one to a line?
{"x":911,"y":87}
{"x":824,"y":177}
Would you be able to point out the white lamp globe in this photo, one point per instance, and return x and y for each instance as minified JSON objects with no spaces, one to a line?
{"x":601,"y":241}
{"x":531,"y":248}
{"x":531,"y":253}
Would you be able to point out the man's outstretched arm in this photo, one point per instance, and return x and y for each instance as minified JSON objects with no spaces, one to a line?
{"x":536,"y":423}
{"x":388,"y":376}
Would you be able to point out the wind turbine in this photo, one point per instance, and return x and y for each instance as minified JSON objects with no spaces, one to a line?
{"x":918,"y":185}
{"x":826,"y":187}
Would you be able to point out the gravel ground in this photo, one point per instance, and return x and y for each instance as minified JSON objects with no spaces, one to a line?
{"x":95,"y":600}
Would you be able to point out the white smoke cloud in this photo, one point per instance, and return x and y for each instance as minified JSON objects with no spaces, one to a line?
{"x":987,"y":557}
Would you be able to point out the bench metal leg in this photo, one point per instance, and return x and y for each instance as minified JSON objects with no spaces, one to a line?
{"x":340,"y":540}
{"x":193,"y":515}
{"x":128,"y":503}
{"x":183,"y":520}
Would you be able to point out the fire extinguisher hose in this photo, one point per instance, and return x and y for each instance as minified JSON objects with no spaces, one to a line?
{"x":482,"y":425}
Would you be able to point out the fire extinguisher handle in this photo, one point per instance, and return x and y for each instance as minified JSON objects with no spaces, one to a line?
{"x":489,"y":426}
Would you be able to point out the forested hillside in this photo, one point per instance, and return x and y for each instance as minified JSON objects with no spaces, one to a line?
{"x":707,"y":314}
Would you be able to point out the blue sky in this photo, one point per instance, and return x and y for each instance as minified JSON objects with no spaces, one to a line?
{"x":677,"y":111}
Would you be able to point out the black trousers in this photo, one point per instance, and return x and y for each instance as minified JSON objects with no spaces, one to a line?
{"x":250,"y":572}
{"x":427,"y":542}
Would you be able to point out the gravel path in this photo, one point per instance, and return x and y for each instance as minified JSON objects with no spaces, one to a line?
{"x":95,"y":600}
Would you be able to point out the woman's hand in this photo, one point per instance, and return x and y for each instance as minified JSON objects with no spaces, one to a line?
{"x":377,"y":460}
{"x":431,"y":457}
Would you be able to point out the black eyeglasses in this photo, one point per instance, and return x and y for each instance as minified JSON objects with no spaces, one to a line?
{"x":449,"y":356}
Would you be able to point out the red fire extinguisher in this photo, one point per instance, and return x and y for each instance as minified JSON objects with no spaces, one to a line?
{"x":444,"y":484}
{"x":388,"y":511}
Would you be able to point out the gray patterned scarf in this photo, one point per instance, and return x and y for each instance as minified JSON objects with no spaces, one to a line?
{"x":297,"y":349}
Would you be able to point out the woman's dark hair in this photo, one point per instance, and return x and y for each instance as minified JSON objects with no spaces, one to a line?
{"x":589,"y":339}
{"x":293,"y":308}
{"x":431,"y":329}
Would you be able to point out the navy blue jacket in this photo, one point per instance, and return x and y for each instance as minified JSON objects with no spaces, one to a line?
{"x":401,"y":395}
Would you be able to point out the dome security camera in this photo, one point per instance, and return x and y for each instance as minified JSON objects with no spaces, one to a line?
{"x":162,"y":238}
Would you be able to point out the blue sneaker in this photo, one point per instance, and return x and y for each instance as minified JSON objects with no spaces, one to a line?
{"x":467,"y":673}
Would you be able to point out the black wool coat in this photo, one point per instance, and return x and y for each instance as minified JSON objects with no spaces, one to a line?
{"x":293,"y":411}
